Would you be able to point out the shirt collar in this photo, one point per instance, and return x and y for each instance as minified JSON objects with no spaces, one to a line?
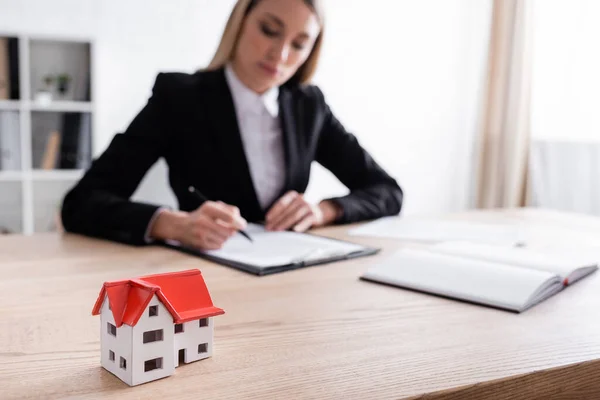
{"x":247,"y":100}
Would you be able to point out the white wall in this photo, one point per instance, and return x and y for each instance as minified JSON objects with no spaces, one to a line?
{"x":404,"y":76}
{"x":565,"y":81}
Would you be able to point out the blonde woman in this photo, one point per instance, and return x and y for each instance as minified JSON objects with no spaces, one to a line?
{"x":244,"y":133}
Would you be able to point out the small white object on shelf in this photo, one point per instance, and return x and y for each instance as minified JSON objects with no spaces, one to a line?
{"x":152,"y":324}
{"x":43,"y":98}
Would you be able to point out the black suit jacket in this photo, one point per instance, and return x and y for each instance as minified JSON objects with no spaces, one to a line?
{"x":190,"y":120}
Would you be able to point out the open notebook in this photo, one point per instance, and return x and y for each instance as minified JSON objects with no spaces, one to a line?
{"x":272,"y":252}
{"x":509,"y":278}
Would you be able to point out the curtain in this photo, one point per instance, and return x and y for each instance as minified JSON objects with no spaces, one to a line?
{"x":565,"y":118}
{"x":504,"y":135}
{"x":565,"y":175}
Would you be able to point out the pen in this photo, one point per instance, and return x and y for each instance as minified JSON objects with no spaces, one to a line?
{"x":202,"y":197}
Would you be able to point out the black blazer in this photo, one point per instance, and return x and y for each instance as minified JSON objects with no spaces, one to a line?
{"x":190,"y":120}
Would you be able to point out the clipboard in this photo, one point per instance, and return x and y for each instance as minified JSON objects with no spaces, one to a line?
{"x":303,"y":250}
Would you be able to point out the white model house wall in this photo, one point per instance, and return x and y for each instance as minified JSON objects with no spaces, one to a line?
{"x":197,"y":341}
{"x":119,"y":361}
{"x":159,"y":349}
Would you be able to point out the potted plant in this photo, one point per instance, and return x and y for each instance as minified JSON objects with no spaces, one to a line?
{"x":44,"y":96}
{"x":62,"y":81}
{"x":49,"y":80}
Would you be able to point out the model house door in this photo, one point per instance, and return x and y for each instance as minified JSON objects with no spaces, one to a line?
{"x":181,"y":357}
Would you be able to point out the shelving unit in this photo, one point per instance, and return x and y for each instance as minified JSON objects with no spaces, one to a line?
{"x":10,"y":105}
{"x":45,"y":143}
{"x":61,"y":106}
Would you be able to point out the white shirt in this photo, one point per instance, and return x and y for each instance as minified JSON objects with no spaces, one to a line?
{"x":261,"y":134}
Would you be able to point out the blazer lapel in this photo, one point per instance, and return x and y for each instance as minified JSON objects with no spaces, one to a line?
{"x":290,"y":145}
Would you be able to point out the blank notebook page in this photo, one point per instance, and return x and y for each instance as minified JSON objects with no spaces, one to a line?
{"x":473,"y":280}
{"x":561,"y":262}
{"x":280,"y":248}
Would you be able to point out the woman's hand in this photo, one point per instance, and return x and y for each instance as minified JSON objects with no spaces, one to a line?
{"x":206,"y":228}
{"x":293,"y":211}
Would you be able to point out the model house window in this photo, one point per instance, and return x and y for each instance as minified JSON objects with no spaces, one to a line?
{"x":202,"y":348}
{"x":178,"y":328}
{"x":151,"y":365}
{"x":153,"y":311}
{"x":123,"y":363}
{"x":111,"y":355}
{"x":153,"y":336}
{"x":203,"y":322}
{"x":112,"y":330}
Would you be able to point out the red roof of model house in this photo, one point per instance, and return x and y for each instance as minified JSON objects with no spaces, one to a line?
{"x":183,"y":293}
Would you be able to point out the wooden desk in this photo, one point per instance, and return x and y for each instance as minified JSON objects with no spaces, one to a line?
{"x":312,"y":333}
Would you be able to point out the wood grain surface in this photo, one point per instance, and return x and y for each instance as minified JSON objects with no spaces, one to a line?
{"x":316,"y":333}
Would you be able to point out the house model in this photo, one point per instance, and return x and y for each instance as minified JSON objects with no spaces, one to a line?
{"x":150,"y":325}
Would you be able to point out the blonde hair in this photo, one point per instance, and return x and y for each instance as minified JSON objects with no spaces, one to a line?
{"x":233,"y":28}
